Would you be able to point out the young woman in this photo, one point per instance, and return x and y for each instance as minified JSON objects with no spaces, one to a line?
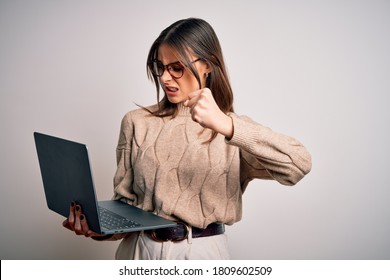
{"x":189,"y":158}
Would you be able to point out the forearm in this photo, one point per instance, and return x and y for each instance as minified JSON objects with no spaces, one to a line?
{"x":224,"y":126}
{"x":286,"y":159}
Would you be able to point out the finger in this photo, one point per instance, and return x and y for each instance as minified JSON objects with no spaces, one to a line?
{"x":86,"y":230}
{"x":77,"y":224}
{"x":66,"y":224}
{"x":191,"y":103}
{"x":71,"y":218}
{"x":192,"y":98}
{"x":84,"y":225}
{"x":194,"y":93}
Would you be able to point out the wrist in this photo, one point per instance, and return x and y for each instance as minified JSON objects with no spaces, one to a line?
{"x":225,"y":126}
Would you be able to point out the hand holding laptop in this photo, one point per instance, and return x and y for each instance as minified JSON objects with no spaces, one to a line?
{"x":78,"y":223}
{"x":67,"y":177}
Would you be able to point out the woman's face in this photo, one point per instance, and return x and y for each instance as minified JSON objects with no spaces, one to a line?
{"x":177,"y":89}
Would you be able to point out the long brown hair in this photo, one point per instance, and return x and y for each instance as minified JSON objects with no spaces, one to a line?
{"x":198,"y":37}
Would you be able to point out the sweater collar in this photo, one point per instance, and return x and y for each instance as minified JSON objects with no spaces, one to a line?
{"x":183,"y":110}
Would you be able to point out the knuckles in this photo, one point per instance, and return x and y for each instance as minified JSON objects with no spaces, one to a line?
{"x":202,"y":107}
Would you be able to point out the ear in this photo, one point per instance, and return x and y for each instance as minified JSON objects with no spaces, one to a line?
{"x":209,"y":67}
{"x":206,"y":68}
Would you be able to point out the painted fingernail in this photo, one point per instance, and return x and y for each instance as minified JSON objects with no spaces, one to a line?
{"x":77,"y":208}
{"x":82,"y":217}
{"x":72,"y":204}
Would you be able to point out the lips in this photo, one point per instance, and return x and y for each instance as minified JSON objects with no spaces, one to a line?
{"x":171,"y":89}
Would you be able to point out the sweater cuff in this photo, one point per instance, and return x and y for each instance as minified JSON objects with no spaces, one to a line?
{"x":243,"y":133}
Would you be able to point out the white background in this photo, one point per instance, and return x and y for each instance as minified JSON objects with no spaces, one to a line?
{"x":315,"y":70}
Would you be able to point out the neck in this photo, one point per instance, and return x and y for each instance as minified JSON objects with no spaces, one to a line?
{"x":182,"y":110}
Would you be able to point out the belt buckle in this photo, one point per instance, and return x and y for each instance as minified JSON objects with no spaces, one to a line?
{"x":186,"y":233}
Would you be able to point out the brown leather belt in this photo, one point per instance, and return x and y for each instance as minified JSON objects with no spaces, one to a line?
{"x":181,"y":231}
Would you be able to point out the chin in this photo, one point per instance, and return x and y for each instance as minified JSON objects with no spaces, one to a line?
{"x":175,"y":99}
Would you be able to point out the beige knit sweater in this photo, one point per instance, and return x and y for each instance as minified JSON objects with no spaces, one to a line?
{"x":166,"y":165}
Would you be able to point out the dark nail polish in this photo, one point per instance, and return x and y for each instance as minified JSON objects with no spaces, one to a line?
{"x":82,"y":217}
{"x":77,"y":208}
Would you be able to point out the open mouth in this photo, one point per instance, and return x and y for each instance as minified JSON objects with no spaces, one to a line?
{"x":171,"y":89}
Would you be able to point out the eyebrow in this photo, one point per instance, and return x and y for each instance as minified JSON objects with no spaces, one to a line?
{"x":169,"y":63}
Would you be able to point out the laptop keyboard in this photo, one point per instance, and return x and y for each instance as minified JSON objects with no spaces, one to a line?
{"x":111,"y":220}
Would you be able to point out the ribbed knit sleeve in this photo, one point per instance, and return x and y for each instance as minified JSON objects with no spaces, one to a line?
{"x":123,"y":179}
{"x":265,"y":154}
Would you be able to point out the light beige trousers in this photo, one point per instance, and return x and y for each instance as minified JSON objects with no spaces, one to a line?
{"x":140,"y":246}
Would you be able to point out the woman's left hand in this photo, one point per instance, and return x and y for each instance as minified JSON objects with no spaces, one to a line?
{"x":205,"y":111}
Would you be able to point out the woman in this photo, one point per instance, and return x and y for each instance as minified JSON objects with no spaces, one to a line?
{"x":189,"y":158}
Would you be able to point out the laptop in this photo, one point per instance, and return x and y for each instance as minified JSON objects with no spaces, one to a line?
{"x":67,"y":176}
